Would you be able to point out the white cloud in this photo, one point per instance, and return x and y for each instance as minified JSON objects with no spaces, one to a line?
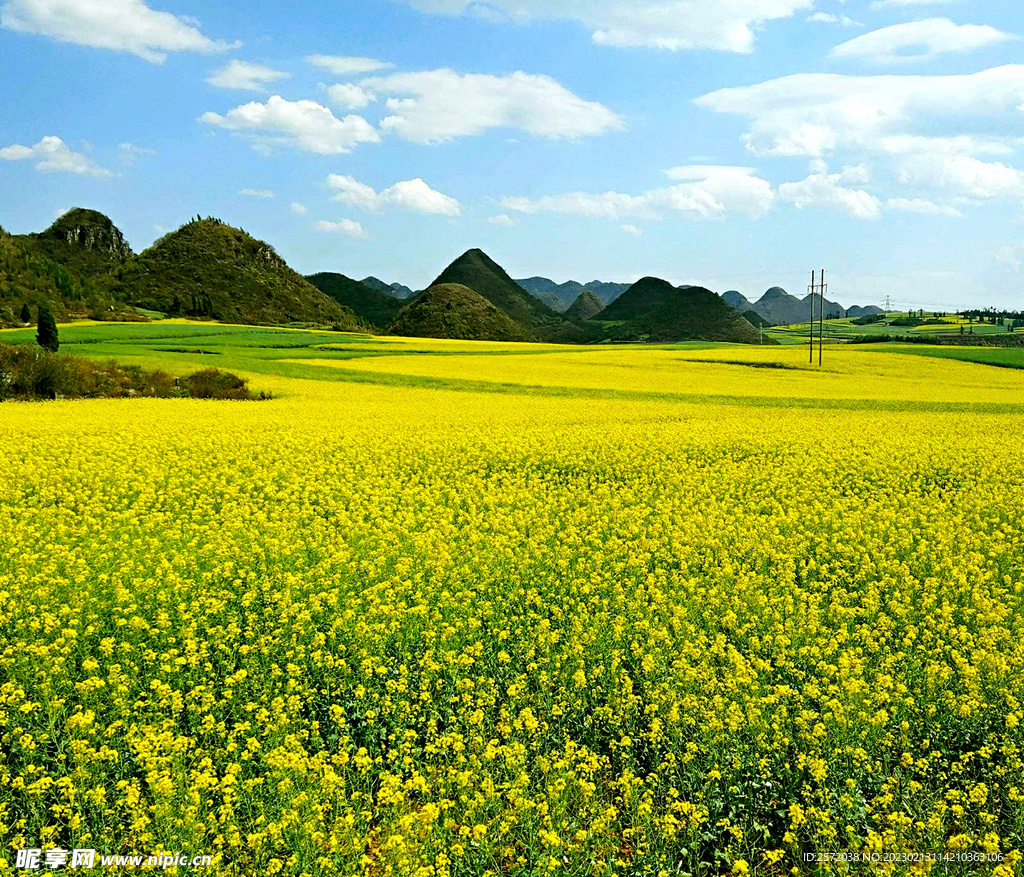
{"x":52,"y":155}
{"x":299,"y":209}
{"x":887,"y":4}
{"x":349,"y":96}
{"x":257,"y":193}
{"x":122,"y":25}
{"x":602,"y":205}
{"x":814,"y":114}
{"x":437,"y":105}
{"x":417,"y":196}
{"x":828,"y":190}
{"x":129,"y":153}
{"x":504,"y":220}
{"x":414,"y":195}
{"x":633,"y":230}
{"x":702,"y":192}
{"x":342,"y":226}
{"x":966,"y":177}
{"x":246,"y":76}
{"x":305,"y":124}
{"x":832,"y":18}
{"x":919,"y":40}
{"x":667,"y":24}
{"x":922,"y":206}
{"x":1012,"y":255}
{"x":340,"y":65}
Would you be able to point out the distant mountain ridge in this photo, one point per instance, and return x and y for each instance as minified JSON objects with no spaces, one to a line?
{"x":780,"y":308}
{"x":393,"y":289}
{"x":557,"y":296}
{"x":376,"y":308}
{"x":560,"y":296}
{"x":607,"y":292}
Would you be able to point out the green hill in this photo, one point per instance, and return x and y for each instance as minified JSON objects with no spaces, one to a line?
{"x":655,"y":310}
{"x":376,"y":308}
{"x":451,"y":310}
{"x":29,"y":277}
{"x":476,"y":270}
{"x":85,"y":242}
{"x":586,"y":307}
{"x":209,"y":269}
{"x":756,"y":320}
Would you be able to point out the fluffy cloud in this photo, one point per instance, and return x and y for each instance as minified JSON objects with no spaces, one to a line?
{"x":665,"y":24}
{"x":349,"y":96}
{"x":342,"y":226}
{"x":299,"y":209}
{"x":123,"y":25}
{"x":413,"y":195}
{"x":304,"y":124}
{"x":922,"y":206}
{"x":823,"y":189}
{"x":814,"y":114}
{"x":266,"y":194}
{"x":633,"y":230}
{"x":52,"y":155}
{"x":967,"y":178}
{"x":437,"y":105}
{"x":919,"y":40}
{"x":504,"y":220}
{"x":831,"y":18}
{"x":702,"y":192}
{"x":245,"y":76}
{"x":344,"y":66}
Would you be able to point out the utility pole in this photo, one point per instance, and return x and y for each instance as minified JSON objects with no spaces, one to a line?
{"x":811,"y":355}
{"x":821,"y":317}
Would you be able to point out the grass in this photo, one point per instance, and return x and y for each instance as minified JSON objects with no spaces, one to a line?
{"x":853,"y":377}
{"x":847,"y":329}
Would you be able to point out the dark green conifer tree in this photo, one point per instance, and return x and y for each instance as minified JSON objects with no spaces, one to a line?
{"x":46,"y":334}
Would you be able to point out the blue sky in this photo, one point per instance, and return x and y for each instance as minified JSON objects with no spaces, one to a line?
{"x":733,"y":144}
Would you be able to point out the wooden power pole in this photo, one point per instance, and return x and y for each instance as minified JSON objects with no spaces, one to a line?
{"x":821,"y":317}
{"x":811,"y":359}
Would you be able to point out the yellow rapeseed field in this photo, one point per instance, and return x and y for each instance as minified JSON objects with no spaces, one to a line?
{"x":371,"y":628}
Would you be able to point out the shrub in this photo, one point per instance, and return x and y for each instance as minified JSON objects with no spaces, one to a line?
{"x":212,"y":383}
{"x":30,"y":373}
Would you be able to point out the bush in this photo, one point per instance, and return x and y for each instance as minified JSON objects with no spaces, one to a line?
{"x":30,"y":373}
{"x":212,"y":383}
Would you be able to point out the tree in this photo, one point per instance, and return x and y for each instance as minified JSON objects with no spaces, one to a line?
{"x":46,"y":334}
{"x":26,"y":313}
